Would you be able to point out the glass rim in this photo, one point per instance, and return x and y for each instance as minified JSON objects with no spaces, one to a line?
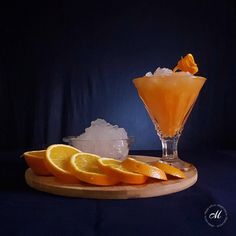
{"x":161,"y":76}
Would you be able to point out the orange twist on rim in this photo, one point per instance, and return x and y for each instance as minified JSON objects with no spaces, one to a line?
{"x":187,"y":64}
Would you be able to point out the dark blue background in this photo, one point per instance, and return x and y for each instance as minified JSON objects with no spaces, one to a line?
{"x":63,"y":66}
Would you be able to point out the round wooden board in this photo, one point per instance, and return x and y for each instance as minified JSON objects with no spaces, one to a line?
{"x":152,"y":188}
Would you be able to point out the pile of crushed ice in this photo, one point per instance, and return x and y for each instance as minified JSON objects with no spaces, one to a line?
{"x":103,"y":139}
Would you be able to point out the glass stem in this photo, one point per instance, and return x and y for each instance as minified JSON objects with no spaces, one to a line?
{"x":169,"y":148}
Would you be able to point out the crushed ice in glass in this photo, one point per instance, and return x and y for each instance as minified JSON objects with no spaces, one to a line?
{"x":166,"y":72}
{"x":163,"y":71}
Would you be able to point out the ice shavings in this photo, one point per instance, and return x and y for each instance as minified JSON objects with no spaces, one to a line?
{"x":166,"y":72}
{"x":163,"y":71}
{"x":160,"y":72}
{"x":149,"y":74}
{"x":103,"y":139}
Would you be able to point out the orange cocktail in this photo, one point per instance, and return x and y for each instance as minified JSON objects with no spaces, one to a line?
{"x":169,"y":97}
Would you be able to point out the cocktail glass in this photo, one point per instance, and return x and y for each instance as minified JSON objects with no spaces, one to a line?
{"x":169,"y":100}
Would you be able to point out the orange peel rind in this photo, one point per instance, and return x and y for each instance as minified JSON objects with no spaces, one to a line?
{"x":35,"y":160}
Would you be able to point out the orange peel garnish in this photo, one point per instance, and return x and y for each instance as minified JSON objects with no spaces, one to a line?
{"x":187,"y":64}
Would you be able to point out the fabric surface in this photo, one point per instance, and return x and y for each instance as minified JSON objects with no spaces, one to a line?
{"x":24,"y":211}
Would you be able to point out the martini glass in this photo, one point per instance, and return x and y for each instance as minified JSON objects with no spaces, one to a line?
{"x":169,"y":100}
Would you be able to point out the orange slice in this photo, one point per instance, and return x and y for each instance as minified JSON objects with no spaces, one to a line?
{"x":143,"y":168}
{"x":35,"y":160}
{"x":84,"y":166}
{"x":187,"y":64}
{"x":57,"y":159}
{"x":114,"y":167}
{"x":169,"y":169}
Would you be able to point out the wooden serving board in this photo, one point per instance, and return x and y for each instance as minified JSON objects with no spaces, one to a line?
{"x":152,"y":188}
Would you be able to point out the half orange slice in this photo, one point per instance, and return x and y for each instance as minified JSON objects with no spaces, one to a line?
{"x":85,"y":167}
{"x":57,"y":159}
{"x":169,"y":169}
{"x":35,"y":160}
{"x":143,"y":168}
{"x":114,"y":167}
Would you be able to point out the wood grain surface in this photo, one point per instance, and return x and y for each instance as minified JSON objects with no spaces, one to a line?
{"x":152,"y":188}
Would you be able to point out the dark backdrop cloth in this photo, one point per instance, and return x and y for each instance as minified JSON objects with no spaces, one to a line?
{"x":63,"y":66}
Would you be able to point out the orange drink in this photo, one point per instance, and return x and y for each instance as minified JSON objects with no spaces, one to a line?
{"x":169,"y":99}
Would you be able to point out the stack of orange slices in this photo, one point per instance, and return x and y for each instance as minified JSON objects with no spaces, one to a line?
{"x":70,"y":165}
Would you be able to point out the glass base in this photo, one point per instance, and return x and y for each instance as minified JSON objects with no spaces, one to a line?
{"x":170,"y":153}
{"x":182,"y":165}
